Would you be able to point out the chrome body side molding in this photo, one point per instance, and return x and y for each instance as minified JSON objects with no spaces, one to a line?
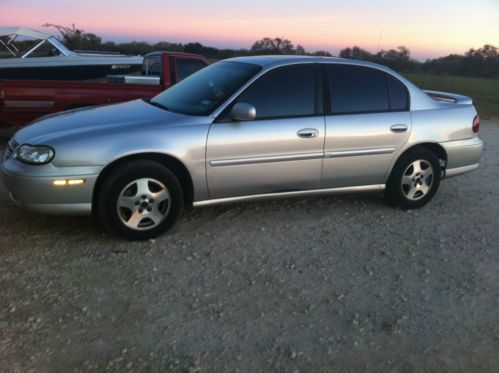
{"x":276,"y":158}
{"x":353,"y":153}
{"x":299,"y":157}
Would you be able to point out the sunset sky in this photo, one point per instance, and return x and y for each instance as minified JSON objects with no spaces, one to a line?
{"x":429,"y":28}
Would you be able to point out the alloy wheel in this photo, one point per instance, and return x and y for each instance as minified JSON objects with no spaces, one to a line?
{"x":417,"y":180}
{"x":143,"y":204}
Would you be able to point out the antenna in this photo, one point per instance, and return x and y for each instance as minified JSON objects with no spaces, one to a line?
{"x":379,"y":40}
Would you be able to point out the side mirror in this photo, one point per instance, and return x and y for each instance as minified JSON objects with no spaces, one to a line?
{"x":242,"y":112}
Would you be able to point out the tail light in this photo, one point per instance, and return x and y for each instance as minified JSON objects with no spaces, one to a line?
{"x":476,"y":124}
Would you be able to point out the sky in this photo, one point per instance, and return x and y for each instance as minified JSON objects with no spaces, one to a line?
{"x":428,"y":28}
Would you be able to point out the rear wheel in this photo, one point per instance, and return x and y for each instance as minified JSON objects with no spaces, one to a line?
{"x":140,"y":200}
{"x":414,"y":180}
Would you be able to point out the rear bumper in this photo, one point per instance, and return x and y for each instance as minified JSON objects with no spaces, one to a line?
{"x":462,"y":156}
{"x":39,"y":194}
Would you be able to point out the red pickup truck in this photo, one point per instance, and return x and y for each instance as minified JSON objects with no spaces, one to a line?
{"x":22,"y":101}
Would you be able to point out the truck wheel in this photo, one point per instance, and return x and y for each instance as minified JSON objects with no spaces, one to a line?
{"x":140,"y":200}
{"x":414,"y":180}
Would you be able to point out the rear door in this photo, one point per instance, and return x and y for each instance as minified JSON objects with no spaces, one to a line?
{"x":282,"y":149}
{"x":367,"y":120}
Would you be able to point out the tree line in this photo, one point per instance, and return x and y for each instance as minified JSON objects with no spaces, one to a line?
{"x":482,"y":62}
{"x":479,"y":63}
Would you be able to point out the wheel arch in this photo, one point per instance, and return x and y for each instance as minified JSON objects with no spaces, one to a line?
{"x":172,"y":163}
{"x":434,"y":147}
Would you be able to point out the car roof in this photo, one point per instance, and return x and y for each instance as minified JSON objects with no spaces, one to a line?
{"x":279,"y":60}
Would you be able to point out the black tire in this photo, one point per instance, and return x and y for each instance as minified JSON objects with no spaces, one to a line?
{"x":397,"y":194}
{"x":113,"y":187}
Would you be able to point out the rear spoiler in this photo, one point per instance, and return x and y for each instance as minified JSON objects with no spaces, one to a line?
{"x":450,"y":97}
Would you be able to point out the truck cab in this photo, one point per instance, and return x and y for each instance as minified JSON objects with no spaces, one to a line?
{"x":22,"y":101}
{"x":160,"y":67}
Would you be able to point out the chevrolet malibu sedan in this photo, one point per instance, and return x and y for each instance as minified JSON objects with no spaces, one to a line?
{"x":244,"y":129}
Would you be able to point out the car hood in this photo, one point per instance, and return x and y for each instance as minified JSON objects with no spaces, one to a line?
{"x":117,"y":117}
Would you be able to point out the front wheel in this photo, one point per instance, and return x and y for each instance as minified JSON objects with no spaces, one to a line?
{"x":414,"y":180}
{"x":140,"y":200}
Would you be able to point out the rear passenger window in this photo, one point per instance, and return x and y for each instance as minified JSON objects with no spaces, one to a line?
{"x":284,"y":92}
{"x":357,"y":89}
{"x":399,"y":99}
{"x":151,"y":66}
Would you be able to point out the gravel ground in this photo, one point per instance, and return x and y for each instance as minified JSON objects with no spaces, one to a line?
{"x":339,"y":283}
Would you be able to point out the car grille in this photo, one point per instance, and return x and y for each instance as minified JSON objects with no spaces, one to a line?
{"x":11,"y":147}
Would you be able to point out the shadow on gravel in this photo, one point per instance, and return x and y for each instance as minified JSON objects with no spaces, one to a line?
{"x":90,"y":226}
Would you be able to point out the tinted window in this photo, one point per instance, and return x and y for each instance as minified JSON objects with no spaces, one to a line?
{"x":188,"y":67}
{"x":399,"y":99}
{"x":203,"y":91}
{"x":283,"y":92}
{"x":356,"y":89}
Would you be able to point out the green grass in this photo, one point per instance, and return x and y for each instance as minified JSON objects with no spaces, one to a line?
{"x":485,"y":92}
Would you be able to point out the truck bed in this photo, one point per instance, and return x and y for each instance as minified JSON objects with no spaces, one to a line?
{"x":30,"y":99}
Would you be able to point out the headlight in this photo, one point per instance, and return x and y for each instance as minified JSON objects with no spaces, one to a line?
{"x":35,"y":154}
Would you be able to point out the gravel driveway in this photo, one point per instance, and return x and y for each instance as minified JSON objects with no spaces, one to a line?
{"x":318,"y":284}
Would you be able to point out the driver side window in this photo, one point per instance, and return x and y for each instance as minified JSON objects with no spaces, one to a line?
{"x":284,"y":92}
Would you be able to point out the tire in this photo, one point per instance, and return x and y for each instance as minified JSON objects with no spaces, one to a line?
{"x":140,"y":200}
{"x":414,"y":180}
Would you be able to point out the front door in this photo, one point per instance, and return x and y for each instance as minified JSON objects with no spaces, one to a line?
{"x":282,"y":149}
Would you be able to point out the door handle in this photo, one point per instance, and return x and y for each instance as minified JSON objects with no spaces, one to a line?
{"x":308,"y":133}
{"x":397,"y":128}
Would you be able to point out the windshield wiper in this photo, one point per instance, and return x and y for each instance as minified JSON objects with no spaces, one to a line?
{"x":157,"y":104}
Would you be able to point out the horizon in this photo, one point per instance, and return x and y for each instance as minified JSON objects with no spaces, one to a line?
{"x":449,"y":28}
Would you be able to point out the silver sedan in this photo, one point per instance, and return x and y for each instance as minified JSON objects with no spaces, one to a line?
{"x":244,"y":129}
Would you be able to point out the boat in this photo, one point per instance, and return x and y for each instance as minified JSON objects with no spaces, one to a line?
{"x":30,"y":54}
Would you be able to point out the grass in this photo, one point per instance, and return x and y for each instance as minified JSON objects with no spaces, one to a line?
{"x":485,"y":92}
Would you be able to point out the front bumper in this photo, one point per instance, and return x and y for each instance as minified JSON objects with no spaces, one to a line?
{"x":32,"y":187}
{"x":462,"y":156}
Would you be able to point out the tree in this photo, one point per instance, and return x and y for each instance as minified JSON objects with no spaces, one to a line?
{"x":76,"y":39}
{"x":273,"y":46}
{"x":321,"y":53}
{"x":399,"y":54}
{"x":398,"y":59}
{"x":300,"y":50}
{"x":356,"y":53}
{"x":482,"y":62}
{"x":487,"y":51}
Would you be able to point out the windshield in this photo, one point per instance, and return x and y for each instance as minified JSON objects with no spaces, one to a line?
{"x":205,"y":90}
